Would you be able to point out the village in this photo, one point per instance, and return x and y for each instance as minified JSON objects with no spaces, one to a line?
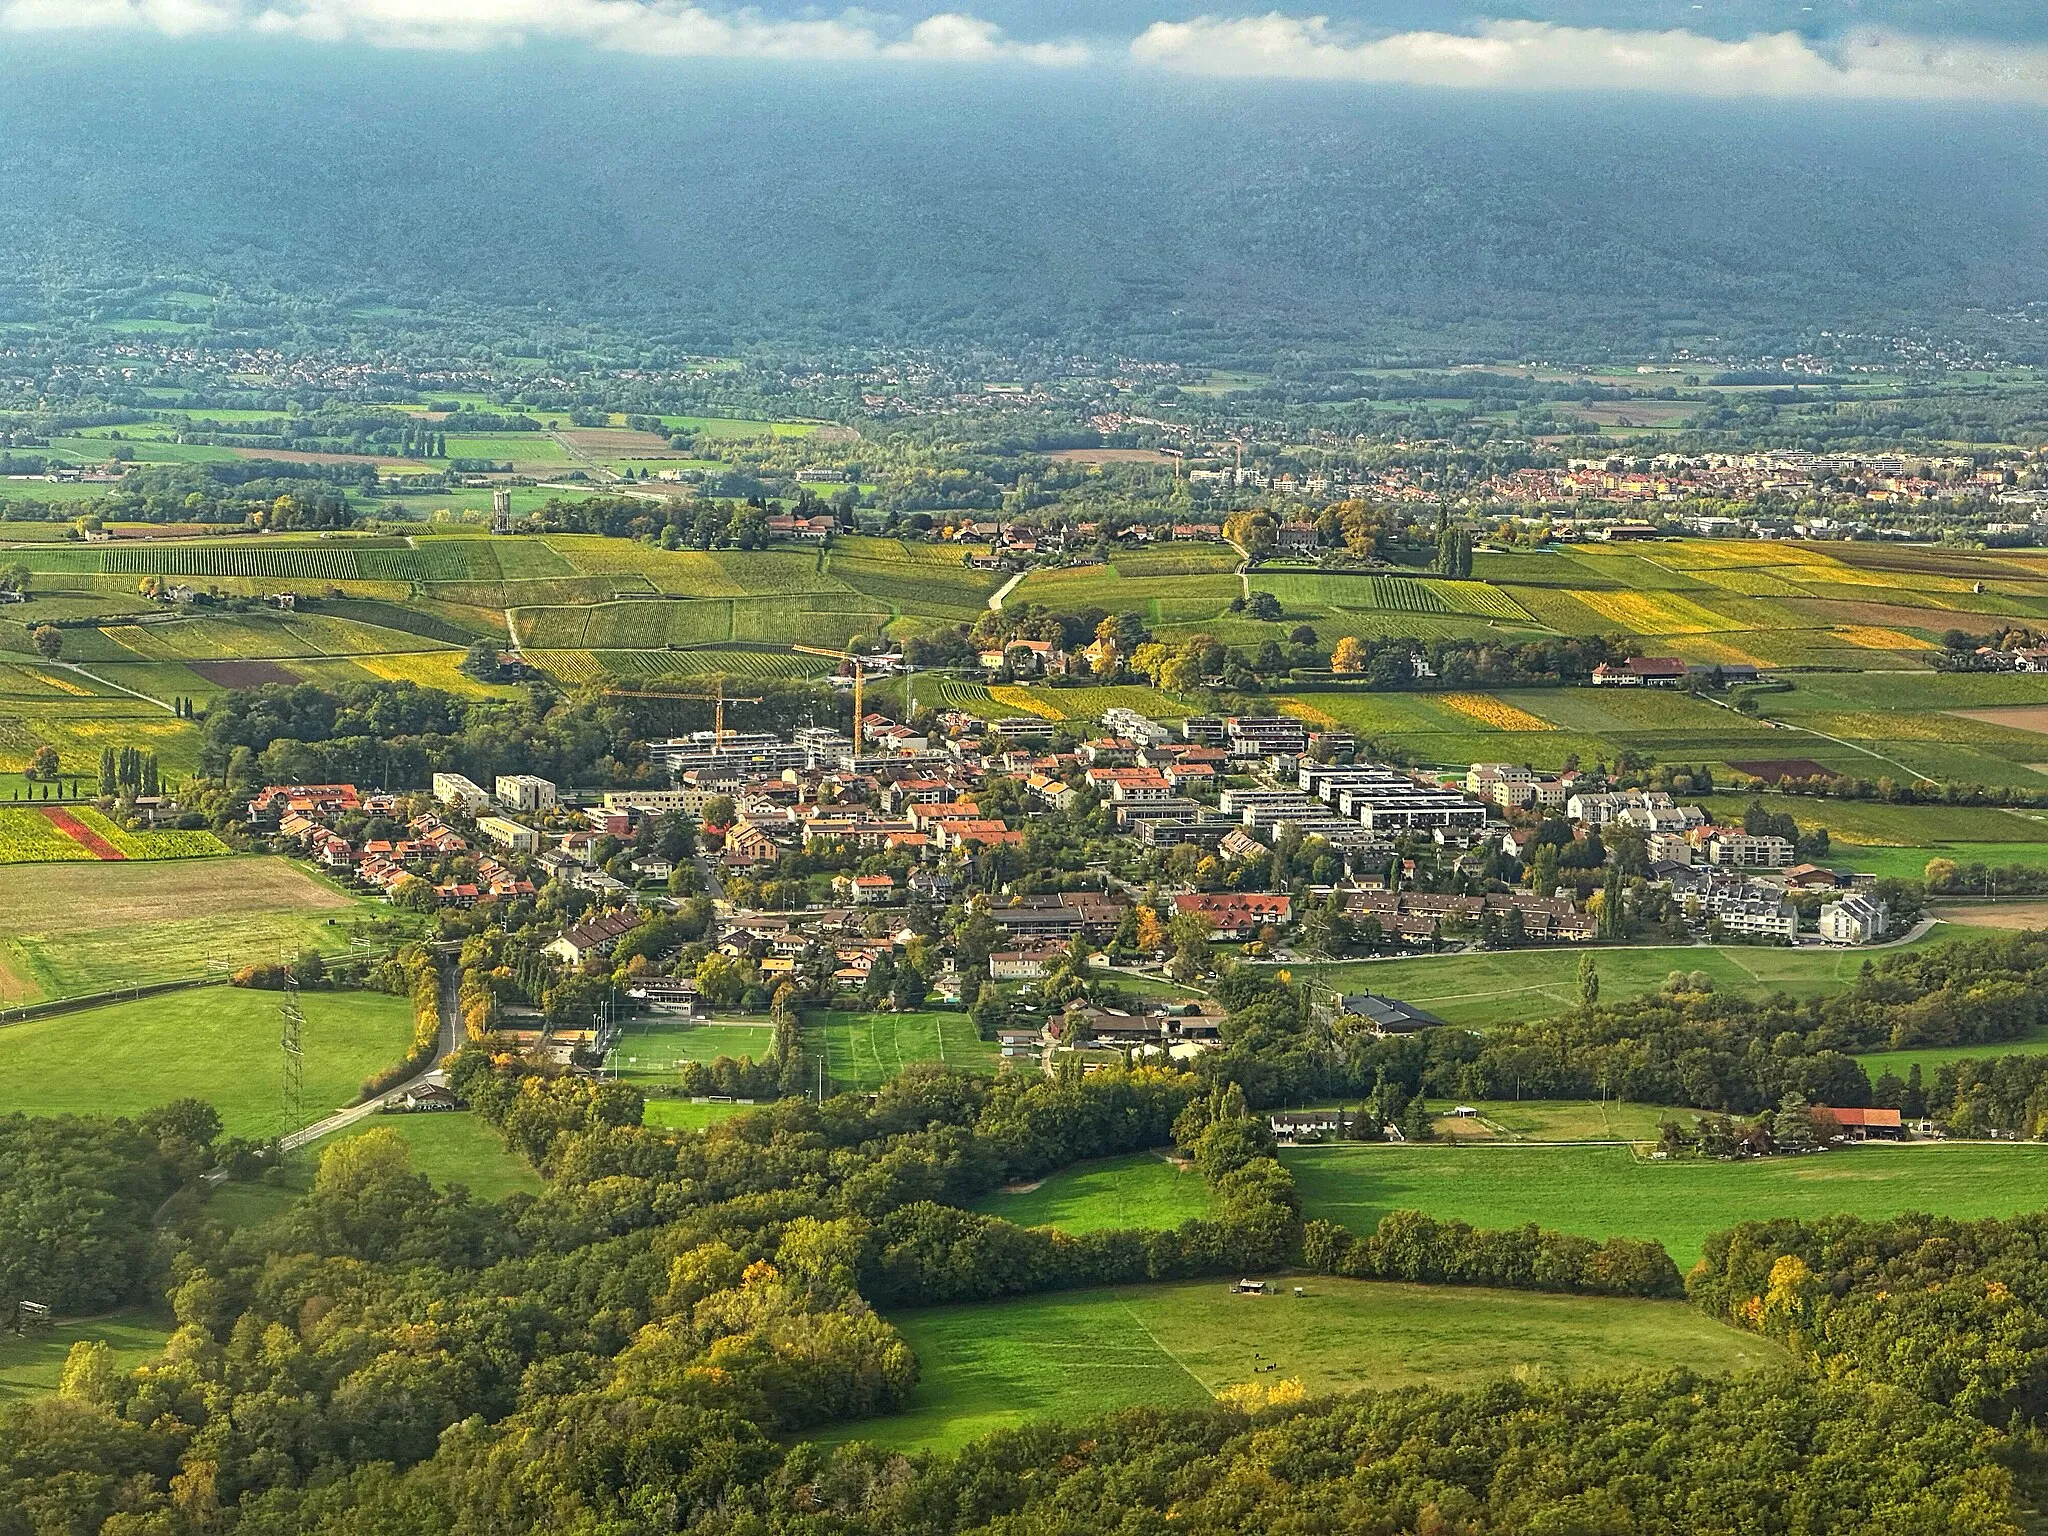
{"x":824,"y":863}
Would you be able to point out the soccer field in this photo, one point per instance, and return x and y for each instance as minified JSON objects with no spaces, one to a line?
{"x":864,"y":1050}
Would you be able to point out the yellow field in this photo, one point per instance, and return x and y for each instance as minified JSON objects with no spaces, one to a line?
{"x":1029,"y":700}
{"x":61,"y":684}
{"x":1494,"y":714}
{"x":430,"y":669}
{"x":1870,"y":637}
{"x":1322,"y":719}
{"x":1652,"y":613}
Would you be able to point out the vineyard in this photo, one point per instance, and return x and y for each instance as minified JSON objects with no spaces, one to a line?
{"x":1494,"y":713}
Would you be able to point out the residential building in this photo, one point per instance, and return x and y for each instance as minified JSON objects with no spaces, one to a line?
{"x":1855,"y":920}
{"x":1386,"y":1015}
{"x":1732,"y":848}
{"x":1238,"y":914}
{"x":508,"y":834}
{"x":596,"y":935}
{"x":452,"y":789}
{"x":525,"y":792}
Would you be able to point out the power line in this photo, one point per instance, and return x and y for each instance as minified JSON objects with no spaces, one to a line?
{"x":293,"y":1088}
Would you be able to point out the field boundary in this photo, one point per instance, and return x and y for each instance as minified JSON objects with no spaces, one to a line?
{"x":56,"y":1005}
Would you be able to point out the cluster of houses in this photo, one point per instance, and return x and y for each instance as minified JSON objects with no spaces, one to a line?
{"x":302,"y":816}
{"x":1723,"y":876}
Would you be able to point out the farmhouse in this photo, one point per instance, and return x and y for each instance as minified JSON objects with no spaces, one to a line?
{"x":1641,"y":672}
{"x":1865,"y":1124}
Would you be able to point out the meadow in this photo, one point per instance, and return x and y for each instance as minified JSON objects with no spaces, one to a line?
{"x":1609,"y":1191}
{"x":1077,"y":1354}
{"x":31,"y":1365}
{"x":78,"y":928}
{"x":1494,"y":987}
{"x":1143,"y":1190}
{"x":215,"y":1043}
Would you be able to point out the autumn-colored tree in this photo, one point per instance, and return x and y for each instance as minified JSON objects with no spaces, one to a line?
{"x":1151,"y":931}
{"x":49,"y":641}
{"x":1349,"y":655}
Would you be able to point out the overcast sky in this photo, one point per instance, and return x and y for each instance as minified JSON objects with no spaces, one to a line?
{"x":1857,"y":50}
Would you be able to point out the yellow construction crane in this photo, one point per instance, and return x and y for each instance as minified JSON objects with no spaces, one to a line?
{"x":719,"y":699}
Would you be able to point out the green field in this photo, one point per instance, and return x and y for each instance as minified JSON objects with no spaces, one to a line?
{"x":1928,"y":1058}
{"x":864,"y":1050}
{"x":1505,"y":986}
{"x":458,"y":1148}
{"x":683,"y":1115}
{"x":1143,"y":1190}
{"x":32,"y":1365}
{"x":79,"y":928}
{"x":1608,"y":1191}
{"x":212,"y":1043}
{"x":1075,"y":1355}
{"x":448,"y":1147}
{"x":650,"y":1049}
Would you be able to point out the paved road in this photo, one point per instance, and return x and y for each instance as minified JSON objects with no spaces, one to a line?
{"x":995,"y":603}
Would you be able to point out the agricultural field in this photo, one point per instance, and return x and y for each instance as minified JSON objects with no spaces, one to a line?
{"x":56,"y":833}
{"x":864,"y":1050}
{"x":217,"y":1043}
{"x":1077,"y":1354}
{"x":71,"y":929}
{"x":1143,"y":1190}
{"x":1610,"y":1191}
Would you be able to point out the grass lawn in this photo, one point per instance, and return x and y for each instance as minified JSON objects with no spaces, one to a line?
{"x":33,"y":1365}
{"x":1511,"y":985}
{"x":1927,"y":1058}
{"x":69,"y":929}
{"x":1077,"y":1354}
{"x":865,"y":1050}
{"x":212,"y":1043}
{"x":1557,"y":1120}
{"x":456,"y":1147}
{"x":682,"y":1115}
{"x":1143,"y":1190}
{"x":449,"y":1147}
{"x":1606,"y":1191}
{"x":1911,"y":863}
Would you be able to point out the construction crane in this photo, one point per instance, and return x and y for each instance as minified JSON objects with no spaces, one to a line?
{"x":719,"y":700}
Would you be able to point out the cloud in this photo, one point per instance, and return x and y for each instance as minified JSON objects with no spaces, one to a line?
{"x":1540,"y":56}
{"x":669,"y":28}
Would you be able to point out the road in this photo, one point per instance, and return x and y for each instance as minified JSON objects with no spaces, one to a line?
{"x":71,"y":666}
{"x":995,"y":603}
{"x":445,"y":1046}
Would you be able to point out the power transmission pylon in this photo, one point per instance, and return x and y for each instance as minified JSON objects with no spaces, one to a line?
{"x":293,"y":1095}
